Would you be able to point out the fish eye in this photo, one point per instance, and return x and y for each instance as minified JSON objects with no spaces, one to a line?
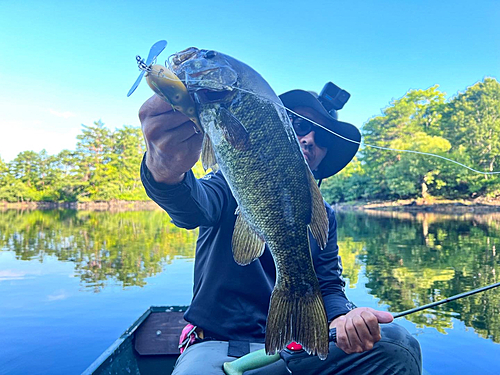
{"x":210,"y":54}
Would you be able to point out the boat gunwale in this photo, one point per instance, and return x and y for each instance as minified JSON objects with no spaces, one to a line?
{"x":128,"y":334}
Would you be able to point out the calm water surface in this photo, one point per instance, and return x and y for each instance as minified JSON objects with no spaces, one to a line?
{"x":71,"y":282}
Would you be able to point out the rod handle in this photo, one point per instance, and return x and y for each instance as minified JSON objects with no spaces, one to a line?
{"x":250,"y":361}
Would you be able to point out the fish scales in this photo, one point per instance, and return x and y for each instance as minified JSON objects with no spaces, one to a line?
{"x":258,"y":153}
{"x":266,"y":178}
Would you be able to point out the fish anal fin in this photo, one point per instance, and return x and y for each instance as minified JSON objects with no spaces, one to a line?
{"x":234,"y":131}
{"x":247,"y":244}
{"x":319,"y":219}
{"x":208,"y":159}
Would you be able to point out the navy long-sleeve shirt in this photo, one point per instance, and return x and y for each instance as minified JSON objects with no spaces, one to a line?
{"x":230,"y":301}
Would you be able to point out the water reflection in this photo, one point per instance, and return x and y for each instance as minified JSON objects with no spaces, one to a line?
{"x":408,"y":259}
{"x":415,"y":259}
{"x":124,"y":247}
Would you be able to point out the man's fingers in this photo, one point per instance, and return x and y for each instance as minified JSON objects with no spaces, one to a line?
{"x":382,"y":316}
{"x":172,"y":140}
{"x":178,"y":135}
{"x":342,"y":339}
{"x":154,"y":106}
{"x":173,"y":122}
{"x":364,"y":334}
{"x":371,"y":322}
{"x":352,"y":334}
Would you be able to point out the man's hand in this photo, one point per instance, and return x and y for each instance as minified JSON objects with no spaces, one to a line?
{"x":172,"y":141}
{"x":359,"y":329}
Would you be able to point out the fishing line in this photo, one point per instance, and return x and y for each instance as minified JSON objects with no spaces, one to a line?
{"x":362,"y":144}
{"x":389,"y":148}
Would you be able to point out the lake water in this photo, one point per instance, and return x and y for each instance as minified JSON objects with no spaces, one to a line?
{"x":71,"y":282}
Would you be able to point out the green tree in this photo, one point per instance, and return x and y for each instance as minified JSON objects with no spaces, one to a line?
{"x":69,"y":184}
{"x":347,"y":185}
{"x":11,"y":189}
{"x":94,"y":150}
{"x":471,"y":121}
{"x":417,"y":174}
{"x":411,"y":122}
{"x":127,"y":154}
{"x":4,"y":175}
{"x":25,"y":169}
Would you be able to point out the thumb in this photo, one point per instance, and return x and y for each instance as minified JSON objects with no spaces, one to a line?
{"x":383,"y":316}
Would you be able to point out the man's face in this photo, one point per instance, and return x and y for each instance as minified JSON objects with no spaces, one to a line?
{"x":313,"y":153}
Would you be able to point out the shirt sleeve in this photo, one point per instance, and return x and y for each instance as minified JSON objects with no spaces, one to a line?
{"x":329,"y":271}
{"x":191,"y":203}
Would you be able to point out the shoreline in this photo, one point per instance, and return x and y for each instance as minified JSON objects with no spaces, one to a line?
{"x":114,"y":206}
{"x":478,"y":206}
{"x":410,"y":205}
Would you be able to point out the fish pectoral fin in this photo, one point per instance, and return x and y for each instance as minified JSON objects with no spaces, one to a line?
{"x":234,"y":131}
{"x":208,"y":159}
{"x":319,"y":218}
{"x":247,"y":244}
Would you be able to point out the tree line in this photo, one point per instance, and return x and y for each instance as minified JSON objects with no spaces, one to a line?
{"x":465,"y":128}
{"x":104,"y":167}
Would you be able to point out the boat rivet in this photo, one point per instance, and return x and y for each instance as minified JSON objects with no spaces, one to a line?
{"x":158,"y":333}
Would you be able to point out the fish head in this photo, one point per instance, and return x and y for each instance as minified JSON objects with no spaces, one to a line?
{"x":213,"y":77}
{"x":208,"y":75}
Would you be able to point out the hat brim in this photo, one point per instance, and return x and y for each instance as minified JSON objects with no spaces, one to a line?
{"x":343,"y":146}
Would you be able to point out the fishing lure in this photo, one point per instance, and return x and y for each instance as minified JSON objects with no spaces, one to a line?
{"x":166,"y":84}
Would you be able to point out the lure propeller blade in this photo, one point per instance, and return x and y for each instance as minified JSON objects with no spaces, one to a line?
{"x":155,"y":50}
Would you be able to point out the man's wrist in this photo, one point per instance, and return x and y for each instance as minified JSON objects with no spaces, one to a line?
{"x":169,"y":180}
{"x":334,"y":320}
{"x":157,"y":183}
{"x":161,"y":178}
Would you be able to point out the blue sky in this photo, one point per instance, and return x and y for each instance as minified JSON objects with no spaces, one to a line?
{"x":68,"y":63}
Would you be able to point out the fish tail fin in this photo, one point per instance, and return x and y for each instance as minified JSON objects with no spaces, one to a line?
{"x":298,"y":317}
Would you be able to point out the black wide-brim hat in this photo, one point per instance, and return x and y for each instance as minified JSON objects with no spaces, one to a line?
{"x":341,"y":151}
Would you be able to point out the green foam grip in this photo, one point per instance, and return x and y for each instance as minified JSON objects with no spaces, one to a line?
{"x":251,"y":361}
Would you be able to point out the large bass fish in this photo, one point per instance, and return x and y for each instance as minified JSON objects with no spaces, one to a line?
{"x":249,"y":136}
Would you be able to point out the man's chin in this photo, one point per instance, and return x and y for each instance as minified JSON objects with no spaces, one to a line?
{"x":309,"y":158}
{"x":309,"y":163}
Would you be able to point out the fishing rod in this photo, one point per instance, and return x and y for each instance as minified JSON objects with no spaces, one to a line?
{"x":259,"y":358}
{"x":446,"y":300}
{"x":333,"y":334}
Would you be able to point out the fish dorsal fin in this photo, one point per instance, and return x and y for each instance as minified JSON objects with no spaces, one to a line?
{"x":234,"y":131}
{"x":208,"y":159}
{"x":247,"y":244}
{"x":319,"y":217}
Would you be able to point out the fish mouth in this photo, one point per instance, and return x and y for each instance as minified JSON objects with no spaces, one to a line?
{"x":178,"y":58}
{"x":205,"y":96}
{"x":200,"y":69}
{"x":202,"y":73}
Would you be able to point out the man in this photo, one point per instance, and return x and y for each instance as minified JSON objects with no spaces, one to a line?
{"x":230,"y":302}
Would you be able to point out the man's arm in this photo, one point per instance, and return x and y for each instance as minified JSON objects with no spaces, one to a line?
{"x":192,"y":202}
